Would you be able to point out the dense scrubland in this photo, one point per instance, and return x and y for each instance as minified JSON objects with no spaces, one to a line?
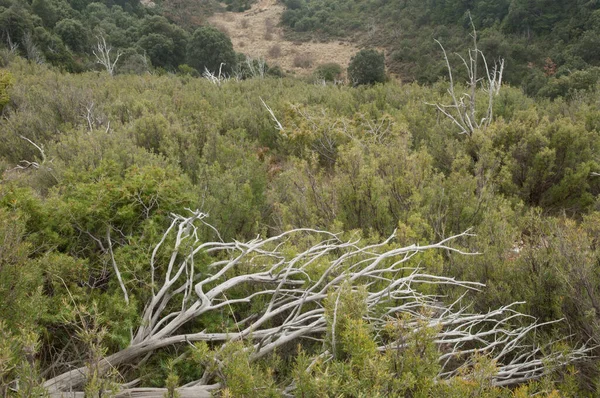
{"x":544,"y":41}
{"x":551,"y":46}
{"x":145,"y":218}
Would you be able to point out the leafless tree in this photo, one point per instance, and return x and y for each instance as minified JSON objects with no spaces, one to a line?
{"x":31,"y":50}
{"x":103,"y":56}
{"x":12,"y":46}
{"x":256,"y":67}
{"x":216,"y":79}
{"x":44,"y":164}
{"x":278,"y":125}
{"x":462,"y":109}
{"x":94,"y":118}
{"x":293,"y":301}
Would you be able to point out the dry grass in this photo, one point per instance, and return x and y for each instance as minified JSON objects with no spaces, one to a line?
{"x":256,"y":31}
{"x":223,"y":29}
{"x":269,"y":26}
{"x":304,"y":60}
{"x":269,"y":29}
{"x":275,"y":51}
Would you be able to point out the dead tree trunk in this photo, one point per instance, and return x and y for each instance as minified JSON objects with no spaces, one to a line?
{"x":295,"y":301}
{"x":462,"y":110}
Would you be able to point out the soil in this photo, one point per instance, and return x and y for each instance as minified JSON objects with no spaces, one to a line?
{"x":256,"y":33}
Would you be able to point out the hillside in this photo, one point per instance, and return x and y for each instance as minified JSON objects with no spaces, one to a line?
{"x":114,"y":188}
{"x":550,"y":48}
{"x":540,"y":39}
{"x":257,"y":33}
{"x":179,"y":218}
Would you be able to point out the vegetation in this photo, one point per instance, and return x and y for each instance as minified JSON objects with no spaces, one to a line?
{"x":329,"y":72}
{"x":544,"y":42}
{"x":66,"y":34}
{"x":367,"y":67}
{"x":209,"y":48}
{"x":251,"y":234}
{"x":91,"y":182}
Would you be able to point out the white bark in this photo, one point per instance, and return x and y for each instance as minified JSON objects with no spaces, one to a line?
{"x":116,"y":267}
{"x":103,"y":56}
{"x":295,"y":306}
{"x":216,"y":79}
{"x":462,"y":109}
{"x":278,"y":125}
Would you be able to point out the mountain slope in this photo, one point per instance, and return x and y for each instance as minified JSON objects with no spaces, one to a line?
{"x":256,"y":32}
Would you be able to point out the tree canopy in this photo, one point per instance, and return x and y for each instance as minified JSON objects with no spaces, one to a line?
{"x":367,"y":67}
{"x":209,"y":48}
{"x":251,"y":233}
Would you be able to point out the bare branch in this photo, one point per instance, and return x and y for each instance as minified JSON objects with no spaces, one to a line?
{"x":217,"y":79}
{"x":289,"y":304}
{"x":103,"y":57}
{"x":278,"y":125}
{"x":462,"y":110}
{"x":115,"y":267}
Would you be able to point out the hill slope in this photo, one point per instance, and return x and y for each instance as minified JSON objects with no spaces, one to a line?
{"x":540,"y":39}
{"x":256,"y":32}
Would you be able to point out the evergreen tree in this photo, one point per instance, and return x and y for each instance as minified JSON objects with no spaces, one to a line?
{"x":209,"y":48}
{"x":367,"y":67}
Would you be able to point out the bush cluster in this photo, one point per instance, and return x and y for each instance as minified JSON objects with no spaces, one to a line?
{"x":525,"y":33}
{"x":65,"y":34}
{"x":120,"y":158}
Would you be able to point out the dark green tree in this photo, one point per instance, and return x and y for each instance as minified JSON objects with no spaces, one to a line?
{"x":367,"y":67}
{"x":533,"y":16}
{"x":208,"y":48}
{"x":15,"y":21}
{"x":157,"y":25}
{"x":158,"y":48}
{"x":45,"y":10}
{"x":78,"y":5}
{"x":73,"y":34}
{"x":54,"y":50}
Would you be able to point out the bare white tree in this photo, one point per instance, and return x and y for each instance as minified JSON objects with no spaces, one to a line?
{"x":278,"y":125}
{"x":12,"y":46}
{"x":43,"y":164}
{"x":31,"y":50}
{"x":103,"y":57}
{"x":293,"y":301}
{"x":256,"y":67}
{"x":216,"y":79}
{"x":94,"y":118}
{"x":462,"y":109}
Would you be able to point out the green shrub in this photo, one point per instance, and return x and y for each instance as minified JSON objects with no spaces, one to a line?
{"x":209,"y":48}
{"x":367,"y":67}
{"x":329,"y":72}
{"x":6,"y":81}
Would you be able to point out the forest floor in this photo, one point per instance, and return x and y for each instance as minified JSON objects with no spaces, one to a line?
{"x":256,"y":33}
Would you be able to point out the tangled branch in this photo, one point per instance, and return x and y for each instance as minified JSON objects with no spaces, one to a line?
{"x":462,"y":110}
{"x":287,"y":288}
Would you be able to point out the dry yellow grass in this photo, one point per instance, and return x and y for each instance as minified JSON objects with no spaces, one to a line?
{"x":148,"y":3}
{"x":255,"y":32}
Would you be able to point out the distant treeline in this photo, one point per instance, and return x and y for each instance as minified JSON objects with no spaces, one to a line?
{"x":543,"y":41}
{"x":64,"y":33}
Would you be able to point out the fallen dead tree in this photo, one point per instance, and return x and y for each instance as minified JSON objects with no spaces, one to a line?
{"x":189,"y":392}
{"x":293,"y":284}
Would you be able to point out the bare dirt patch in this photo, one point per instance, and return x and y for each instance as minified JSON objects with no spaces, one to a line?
{"x":255,"y":32}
